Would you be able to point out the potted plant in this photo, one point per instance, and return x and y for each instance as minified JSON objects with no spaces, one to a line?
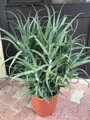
{"x":48,"y":56}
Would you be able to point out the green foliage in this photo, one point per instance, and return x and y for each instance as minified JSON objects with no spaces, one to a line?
{"x":48,"y":56}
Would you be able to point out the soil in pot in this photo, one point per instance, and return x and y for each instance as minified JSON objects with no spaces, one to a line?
{"x":43,"y":108}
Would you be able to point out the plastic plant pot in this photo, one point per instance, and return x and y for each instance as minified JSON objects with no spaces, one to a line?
{"x":43,"y":108}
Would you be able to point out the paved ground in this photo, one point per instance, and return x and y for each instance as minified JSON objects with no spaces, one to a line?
{"x":75,"y":105}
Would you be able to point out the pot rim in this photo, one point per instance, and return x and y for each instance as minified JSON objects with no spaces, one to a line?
{"x":43,"y":98}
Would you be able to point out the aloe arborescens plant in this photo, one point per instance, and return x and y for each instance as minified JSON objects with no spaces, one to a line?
{"x":46,"y":59}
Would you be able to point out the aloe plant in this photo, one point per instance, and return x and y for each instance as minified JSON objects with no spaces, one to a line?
{"x":48,"y":56}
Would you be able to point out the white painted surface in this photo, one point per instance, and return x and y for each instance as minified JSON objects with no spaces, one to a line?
{"x":87,"y":0}
{"x":81,"y":81}
{"x":69,"y":1}
{"x":77,"y":96}
{"x":2,"y":66}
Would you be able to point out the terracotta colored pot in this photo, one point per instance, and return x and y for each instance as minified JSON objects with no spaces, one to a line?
{"x":43,"y":108}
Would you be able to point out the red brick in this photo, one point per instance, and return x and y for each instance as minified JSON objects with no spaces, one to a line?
{"x":25,"y":101}
{"x":86,"y":100}
{"x":68,"y":114}
{"x":3,"y":83}
{"x":11,"y":102}
{"x":6,"y":112}
{"x":1,"y":93}
{"x":67,"y":103}
{"x":5,"y":98}
{"x":88,"y":91}
{"x":64,"y":105}
{"x":88,"y":117}
{"x":80,"y":86}
{"x":9,"y":89}
{"x":84,"y":107}
{"x":13,"y":83}
{"x":57,"y":112}
{"x":65,"y":110}
{"x":85,"y":104}
{"x":23,"y":114}
{"x":15,"y":106}
{"x":41,"y":118}
{"x":83,"y":110}
{"x":14,"y":103}
{"x":31,"y":116}
{"x":12,"y":90}
{"x":63,"y":100}
{"x":2,"y":118}
{"x":66,"y":92}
